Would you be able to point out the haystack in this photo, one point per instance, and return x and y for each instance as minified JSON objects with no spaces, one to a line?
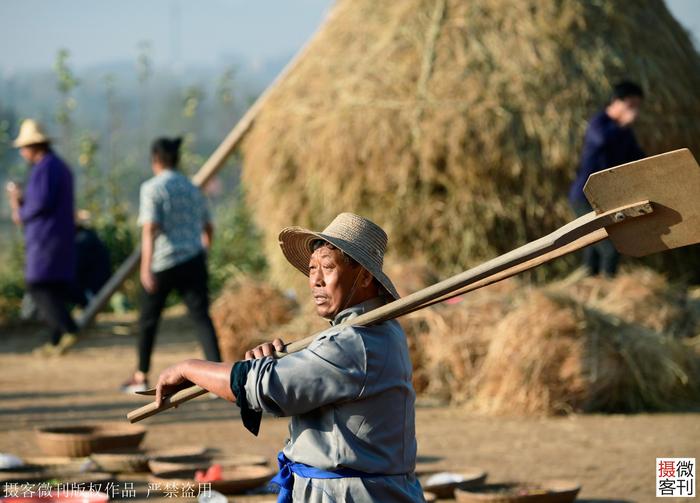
{"x":457,"y":125}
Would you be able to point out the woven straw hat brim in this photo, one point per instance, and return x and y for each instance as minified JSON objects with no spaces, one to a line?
{"x":30,"y":133}
{"x":296,"y":246}
{"x":28,"y":141}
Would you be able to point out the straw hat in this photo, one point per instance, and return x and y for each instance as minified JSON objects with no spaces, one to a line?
{"x":358,"y":237}
{"x":30,"y":133}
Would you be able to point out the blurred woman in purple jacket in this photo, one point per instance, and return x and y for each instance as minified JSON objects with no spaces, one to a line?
{"x":45,"y":210}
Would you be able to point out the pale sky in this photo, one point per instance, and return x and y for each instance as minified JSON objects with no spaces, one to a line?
{"x":202,"y":31}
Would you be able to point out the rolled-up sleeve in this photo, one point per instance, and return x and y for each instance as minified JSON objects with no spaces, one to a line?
{"x":149,"y":209}
{"x":332,"y":369}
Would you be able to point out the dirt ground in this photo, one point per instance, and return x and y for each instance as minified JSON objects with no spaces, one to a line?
{"x":612,"y":456}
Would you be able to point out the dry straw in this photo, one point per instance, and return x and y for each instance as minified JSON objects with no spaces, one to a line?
{"x":456,"y":125}
{"x":246,"y":312}
{"x":581,"y":344}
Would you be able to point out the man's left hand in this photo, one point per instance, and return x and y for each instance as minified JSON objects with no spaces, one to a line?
{"x":263,"y":350}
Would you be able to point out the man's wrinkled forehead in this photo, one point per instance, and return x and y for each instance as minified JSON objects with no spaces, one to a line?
{"x":325,"y":252}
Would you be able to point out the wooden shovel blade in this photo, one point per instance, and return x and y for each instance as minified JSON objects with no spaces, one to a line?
{"x":671,"y":181}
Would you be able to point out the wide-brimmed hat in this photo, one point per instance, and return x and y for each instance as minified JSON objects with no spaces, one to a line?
{"x":30,"y":133}
{"x":358,"y":237}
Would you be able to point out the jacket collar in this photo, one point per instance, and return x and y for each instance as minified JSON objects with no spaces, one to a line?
{"x":357,"y":310}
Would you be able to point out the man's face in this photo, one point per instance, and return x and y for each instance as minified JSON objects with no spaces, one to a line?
{"x":331,"y":280}
{"x":629,"y":110}
{"x":27,"y":154}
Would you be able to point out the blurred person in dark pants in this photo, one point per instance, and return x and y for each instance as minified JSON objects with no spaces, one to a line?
{"x":93,"y":263}
{"x":176,"y":231}
{"x":46,"y":213}
{"x":609,"y":141}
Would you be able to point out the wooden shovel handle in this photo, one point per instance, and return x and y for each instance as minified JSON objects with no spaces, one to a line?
{"x":582,"y":232}
{"x":168,"y":402}
{"x":522,"y":258}
{"x":583,"y":242}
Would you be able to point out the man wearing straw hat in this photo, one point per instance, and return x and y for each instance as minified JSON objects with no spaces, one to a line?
{"x":45,"y":211}
{"x":349,"y":393}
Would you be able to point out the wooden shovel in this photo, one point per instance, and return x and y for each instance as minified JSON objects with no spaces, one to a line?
{"x":643,"y":207}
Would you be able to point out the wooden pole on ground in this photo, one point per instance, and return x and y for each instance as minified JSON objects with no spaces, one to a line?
{"x":211,"y":167}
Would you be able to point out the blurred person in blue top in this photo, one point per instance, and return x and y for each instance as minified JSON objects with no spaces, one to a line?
{"x":45,"y":211}
{"x":93,"y":262}
{"x":176,"y":232}
{"x":609,"y":141}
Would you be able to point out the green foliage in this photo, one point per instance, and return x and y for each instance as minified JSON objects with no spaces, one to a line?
{"x":192,"y":101}
{"x":237,"y":246}
{"x":5,"y":139}
{"x":11,"y":281}
{"x":66,"y":83}
{"x":67,"y":80}
{"x":190,"y":160}
{"x":117,"y":232}
{"x":90,"y":196}
{"x":105,"y":140}
{"x":224,"y":88}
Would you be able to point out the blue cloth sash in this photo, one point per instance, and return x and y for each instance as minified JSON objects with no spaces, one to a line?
{"x":285,"y":478}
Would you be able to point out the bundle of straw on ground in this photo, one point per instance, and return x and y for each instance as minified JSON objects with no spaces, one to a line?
{"x":643,"y":297}
{"x":457,"y":125}
{"x":449,"y":342}
{"x":245,"y":314}
{"x":582,"y":344}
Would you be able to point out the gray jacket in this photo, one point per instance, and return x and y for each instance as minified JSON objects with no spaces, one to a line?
{"x":352,"y":405}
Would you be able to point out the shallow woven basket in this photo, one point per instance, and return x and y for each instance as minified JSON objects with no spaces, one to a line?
{"x":558,"y":491}
{"x":236,"y":479}
{"x":470,"y":477}
{"x":121,"y":461}
{"x":77,"y":441}
{"x":157,"y":465}
{"x":191,"y":463}
{"x":177,"y":452}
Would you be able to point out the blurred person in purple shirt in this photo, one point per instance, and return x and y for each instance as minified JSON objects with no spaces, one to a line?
{"x":609,"y":141}
{"x":45,"y":211}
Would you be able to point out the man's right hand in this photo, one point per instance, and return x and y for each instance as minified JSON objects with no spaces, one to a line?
{"x":265,"y":349}
{"x":14,"y":194}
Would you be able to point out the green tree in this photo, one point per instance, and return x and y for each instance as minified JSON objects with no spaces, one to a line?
{"x":90,"y":195}
{"x":144,"y":69}
{"x":225,"y":98}
{"x":190,"y":159}
{"x":238,"y":246}
{"x":66,"y":83}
